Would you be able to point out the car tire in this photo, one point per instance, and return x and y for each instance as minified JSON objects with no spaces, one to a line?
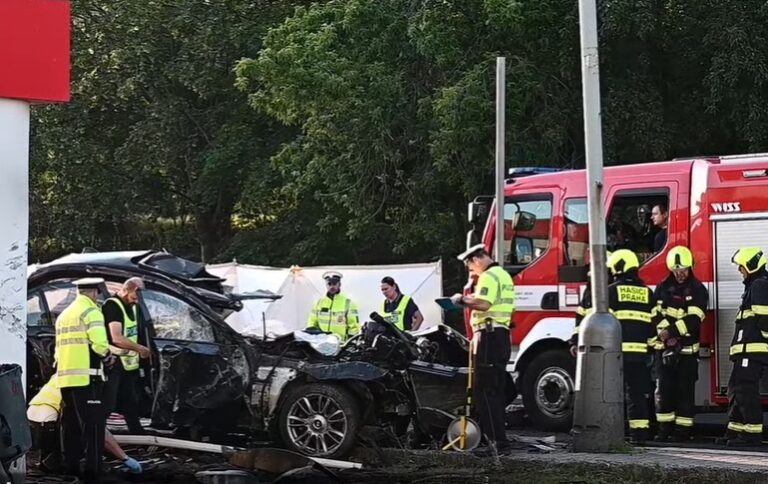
{"x":548,"y":390}
{"x":319,"y":420}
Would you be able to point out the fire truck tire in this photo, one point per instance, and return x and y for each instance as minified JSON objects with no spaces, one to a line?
{"x":548,"y":390}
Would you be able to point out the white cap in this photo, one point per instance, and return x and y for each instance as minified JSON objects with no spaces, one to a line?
{"x":88,"y":282}
{"x":471,"y":251}
{"x":332,"y":275}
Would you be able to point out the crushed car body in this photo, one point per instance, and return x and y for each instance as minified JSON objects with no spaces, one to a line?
{"x":205,"y":379}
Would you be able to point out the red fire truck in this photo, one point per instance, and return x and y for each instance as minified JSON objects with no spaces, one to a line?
{"x":715,"y":205}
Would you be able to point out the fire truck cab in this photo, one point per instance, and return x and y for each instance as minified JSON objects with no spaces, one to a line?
{"x":714,"y":205}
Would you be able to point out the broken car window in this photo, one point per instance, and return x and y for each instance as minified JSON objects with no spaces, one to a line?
{"x":35,"y":311}
{"x":176,"y":319}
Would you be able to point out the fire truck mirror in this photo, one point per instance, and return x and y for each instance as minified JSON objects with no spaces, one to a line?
{"x":477,"y":210}
{"x":525,"y":221}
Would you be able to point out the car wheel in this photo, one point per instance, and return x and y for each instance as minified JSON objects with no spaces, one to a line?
{"x":319,"y":420}
{"x":548,"y":390}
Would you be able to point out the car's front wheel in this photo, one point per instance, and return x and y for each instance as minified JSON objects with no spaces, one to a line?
{"x":319,"y":420}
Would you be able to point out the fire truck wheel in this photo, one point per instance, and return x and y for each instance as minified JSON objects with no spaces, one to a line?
{"x":548,"y":390}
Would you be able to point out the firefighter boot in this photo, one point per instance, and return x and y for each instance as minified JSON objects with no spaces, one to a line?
{"x":746,"y":439}
{"x":664,"y":433}
{"x":638,"y":436}
{"x":682,"y":434}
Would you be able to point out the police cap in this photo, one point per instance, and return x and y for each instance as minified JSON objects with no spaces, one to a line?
{"x":471,"y":252}
{"x":88,"y":282}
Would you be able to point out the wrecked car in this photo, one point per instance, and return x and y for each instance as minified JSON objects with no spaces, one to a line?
{"x":206,"y":379}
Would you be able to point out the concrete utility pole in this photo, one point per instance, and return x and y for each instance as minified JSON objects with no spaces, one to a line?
{"x":501,"y":67}
{"x":599,"y":409}
{"x":34,"y":61}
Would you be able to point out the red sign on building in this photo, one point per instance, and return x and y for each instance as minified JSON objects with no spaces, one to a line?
{"x":34,"y":50}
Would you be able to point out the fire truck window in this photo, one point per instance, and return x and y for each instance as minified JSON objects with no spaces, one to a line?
{"x":629,"y":223}
{"x":576,"y":239}
{"x":526,"y":230}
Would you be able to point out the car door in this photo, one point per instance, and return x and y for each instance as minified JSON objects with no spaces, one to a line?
{"x":199,"y":374}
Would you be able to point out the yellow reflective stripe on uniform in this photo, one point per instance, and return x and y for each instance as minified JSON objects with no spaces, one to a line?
{"x":681,"y":327}
{"x":70,"y":329}
{"x":696,"y":311}
{"x":657,"y":309}
{"x":665,"y":417}
{"x":633,"y":315}
{"x":575,"y":331}
{"x":94,"y":324}
{"x":690,"y":350}
{"x":736,"y":426}
{"x":581,"y":311}
{"x":749,"y":348}
{"x":764,"y":334}
{"x":753,"y":428}
{"x":744,"y":314}
{"x":73,"y":341}
{"x":78,"y":371}
{"x":676,"y":313}
{"x":652,"y":341}
{"x":634,"y":347}
{"x":760,"y":309}
{"x":684,"y":421}
{"x":639,"y":424}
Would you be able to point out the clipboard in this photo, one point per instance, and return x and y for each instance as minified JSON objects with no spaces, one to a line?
{"x":446,"y":304}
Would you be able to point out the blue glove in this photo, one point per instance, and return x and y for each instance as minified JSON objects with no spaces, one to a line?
{"x":133,"y":465}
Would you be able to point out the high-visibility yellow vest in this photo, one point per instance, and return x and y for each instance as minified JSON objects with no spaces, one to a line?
{"x":130,"y":360}
{"x":49,"y":395}
{"x":337,"y":316}
{"x":495,"y":286}
{"x":396,"y":317}
{"x":79,"y":330}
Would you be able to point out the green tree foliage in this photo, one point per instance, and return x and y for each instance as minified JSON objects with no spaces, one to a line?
{"x":355,"y":131}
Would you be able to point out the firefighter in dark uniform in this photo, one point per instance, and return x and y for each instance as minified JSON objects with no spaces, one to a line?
{"x":631,"y":302}
{"x":681,"y":302}
{"x":749,"y":351}
{"x":492,"y":304}
{"x":584,"y":308}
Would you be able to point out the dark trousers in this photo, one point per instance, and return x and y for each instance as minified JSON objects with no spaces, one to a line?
{"x":122,"y":394}
{"x":489,"y":392}
{"x":677,"y":387}
{"x":82,"y":428}
{"x":637,"y":388}
{"x":745,"y":414}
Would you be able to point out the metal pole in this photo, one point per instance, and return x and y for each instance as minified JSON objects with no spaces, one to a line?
{"x":599,"y":408}
{"x":501,"y":63}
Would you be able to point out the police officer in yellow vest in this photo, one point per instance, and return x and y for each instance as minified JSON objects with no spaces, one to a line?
{"x":749,"y":351}
{"x":334,"y":313}
{"x":492,"y":304}
{"x":122,"y":391}
{"x":398,"y":308}
{"x":80,"y":354}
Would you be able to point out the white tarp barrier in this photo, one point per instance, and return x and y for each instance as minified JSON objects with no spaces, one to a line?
{"x":301,"y":287}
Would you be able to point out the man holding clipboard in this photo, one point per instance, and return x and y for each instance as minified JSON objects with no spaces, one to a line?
{"x":492,"y":305}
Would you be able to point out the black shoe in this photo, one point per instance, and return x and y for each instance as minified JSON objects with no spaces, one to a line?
{"x":682,"y":435}
{"x":742,"y":442}
{"x":638,"y":437}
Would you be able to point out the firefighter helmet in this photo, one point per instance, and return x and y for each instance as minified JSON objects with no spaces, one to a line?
{"x":622,"y":261}
{"x":679,"y":257}
{"x":750,"y":258}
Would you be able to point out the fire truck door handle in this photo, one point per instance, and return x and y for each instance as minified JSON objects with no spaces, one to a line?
{"x":550,"y":301}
